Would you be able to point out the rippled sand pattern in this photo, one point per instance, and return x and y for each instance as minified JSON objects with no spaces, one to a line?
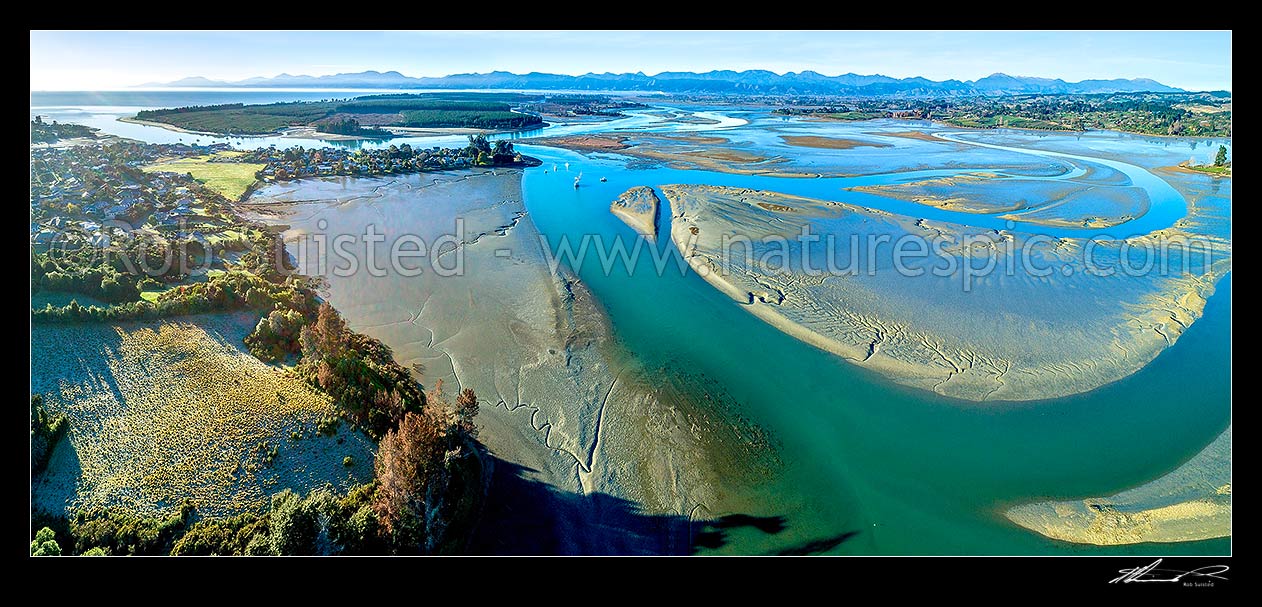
{"x":1009,"y":336}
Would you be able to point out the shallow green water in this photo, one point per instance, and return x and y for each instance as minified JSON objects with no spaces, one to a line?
{"x":913,"y":472}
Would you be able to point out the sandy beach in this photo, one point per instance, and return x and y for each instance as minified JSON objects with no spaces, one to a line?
{"x":1192,"y":502}
{"x":830,"y":143}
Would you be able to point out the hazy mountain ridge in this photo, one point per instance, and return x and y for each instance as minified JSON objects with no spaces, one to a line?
{"x":717,"y":81}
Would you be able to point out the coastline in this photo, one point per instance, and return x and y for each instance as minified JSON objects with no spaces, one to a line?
{"x":294,"y":132}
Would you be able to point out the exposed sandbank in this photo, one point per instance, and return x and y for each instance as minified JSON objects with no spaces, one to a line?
{"x":708,"y":153}
{"x":584,"y":143}
{"x":1006,"y":338}
{"x":1193,"y":502}
{"x":1061,"y":203}
{"x":558,"y":400}
{"x":1184,"y":168}
{"x":830,"y":143}
{"x":920,"y":135}
{"x":638,"y":208}
{"x":435,"y":131}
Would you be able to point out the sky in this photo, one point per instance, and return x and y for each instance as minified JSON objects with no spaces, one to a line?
{"x":105,"y":60}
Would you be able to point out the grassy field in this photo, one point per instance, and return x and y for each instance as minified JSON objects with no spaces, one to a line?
{"x":231,"y":179}
{"x":160,"y":412}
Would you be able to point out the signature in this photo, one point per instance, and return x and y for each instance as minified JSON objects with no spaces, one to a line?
{"x":1151,"y":573}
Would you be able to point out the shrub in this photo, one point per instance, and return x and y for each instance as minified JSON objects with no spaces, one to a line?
{"x":45,"y":543}
{"x":276,"y":335}
{"x":328,"y":425}
{"x":122,"y":532}
{"x":358,"y":372}
{"x":221,"y":536}
{"x":259,"y":545}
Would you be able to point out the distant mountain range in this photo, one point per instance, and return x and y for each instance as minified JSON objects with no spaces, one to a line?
{"x":722,"y":81}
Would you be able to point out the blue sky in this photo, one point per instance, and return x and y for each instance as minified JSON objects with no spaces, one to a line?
{"x":118,"y":59}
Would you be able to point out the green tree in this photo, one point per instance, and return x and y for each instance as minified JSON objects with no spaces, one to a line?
{"x":294,"y":524}
{"x":45,"y":543}
{"x":478,"y":145}
{"x":1221,"y":158}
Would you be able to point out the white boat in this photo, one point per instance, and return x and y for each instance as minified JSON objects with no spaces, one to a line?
{"x":604,"y":179}
{"x":580,"y":176}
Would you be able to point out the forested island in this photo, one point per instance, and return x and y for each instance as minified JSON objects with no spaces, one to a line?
{"x":358,"y":117}
{"x":1185,"y":114}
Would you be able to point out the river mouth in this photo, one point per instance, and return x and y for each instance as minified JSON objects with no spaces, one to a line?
{"x":888,"y":467}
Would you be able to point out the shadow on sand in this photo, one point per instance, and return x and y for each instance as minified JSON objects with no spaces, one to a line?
{"x":526,"y":516}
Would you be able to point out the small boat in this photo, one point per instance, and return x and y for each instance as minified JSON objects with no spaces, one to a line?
{"x":604,"y":179}
{"x":580,"y":176}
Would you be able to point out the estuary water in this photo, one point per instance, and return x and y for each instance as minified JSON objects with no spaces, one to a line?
{"x":895,"y":470}
{"x":912,"y":472}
